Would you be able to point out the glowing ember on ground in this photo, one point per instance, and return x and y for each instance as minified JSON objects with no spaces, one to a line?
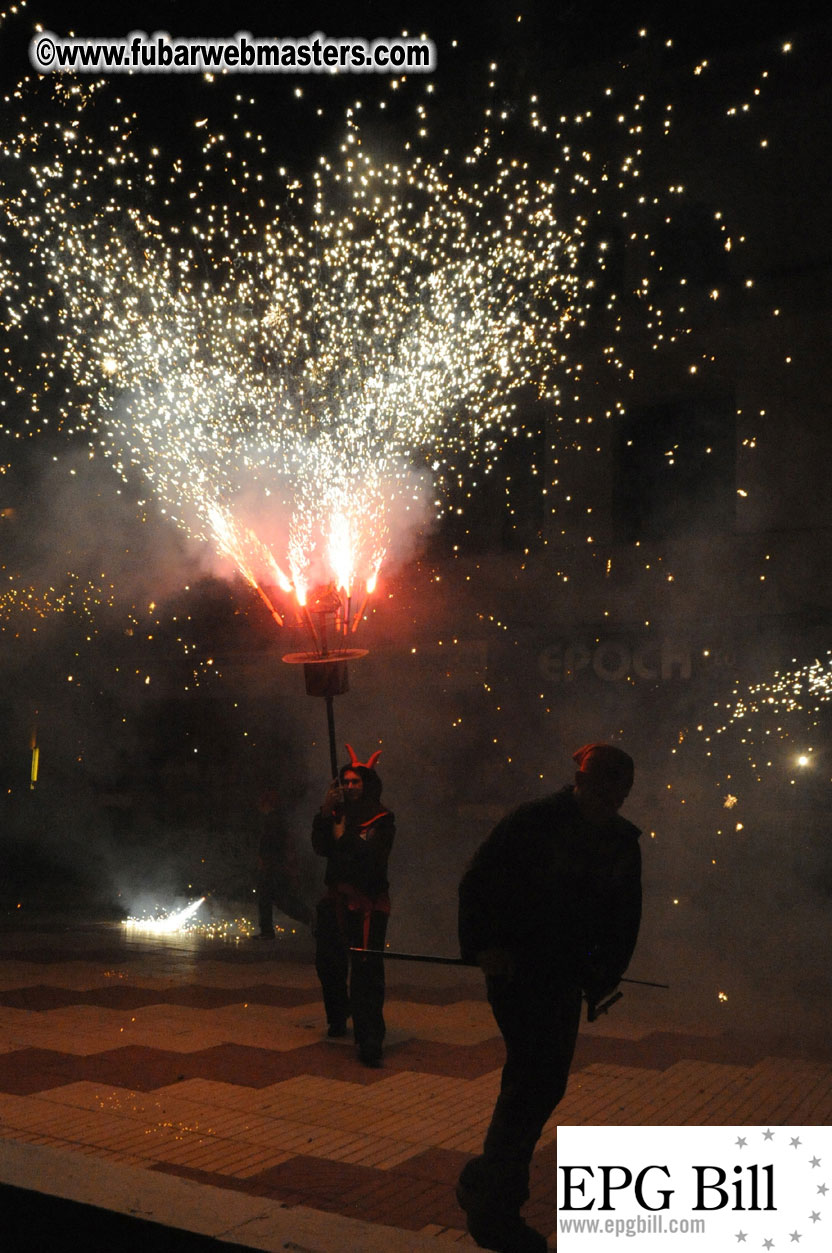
{"x":166,"y":924}
{"x":231,"y":930}
{"x":186,"y":923}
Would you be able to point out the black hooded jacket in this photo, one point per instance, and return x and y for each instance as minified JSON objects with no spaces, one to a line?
{"x":359,"y":858}
{"x":558,"y":892}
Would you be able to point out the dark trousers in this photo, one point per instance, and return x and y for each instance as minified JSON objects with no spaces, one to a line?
{"x":538,"y":1015}
{"x":335,"y":964}
{"x":275,"y":889}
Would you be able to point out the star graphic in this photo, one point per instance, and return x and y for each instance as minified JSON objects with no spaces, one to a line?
{"x":740,"y":1142}
{"x":768,"y":1244}
{"x":741,"y":1236}
{"x":794,"y":1236}
{"x":823,"y":1189}
{"x":815,"y":1161}
{"x":768,"y":1135}
{"x":795,"y":1142}
{"x":815,"y":1216}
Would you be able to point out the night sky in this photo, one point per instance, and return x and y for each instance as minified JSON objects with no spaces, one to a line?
{"x":637,"y":553}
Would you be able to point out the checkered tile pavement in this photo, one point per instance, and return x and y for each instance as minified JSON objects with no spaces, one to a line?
{"x":208,"y":1061}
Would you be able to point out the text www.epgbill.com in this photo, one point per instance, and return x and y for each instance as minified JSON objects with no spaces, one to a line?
{"x":655,"y":1225}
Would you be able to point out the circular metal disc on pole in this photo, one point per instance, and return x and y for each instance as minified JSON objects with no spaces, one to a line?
{"x":327,"y":676}
{"x":334,"y":654}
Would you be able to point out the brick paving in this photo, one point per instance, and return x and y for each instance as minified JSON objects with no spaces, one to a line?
{"x":208,"y":1061}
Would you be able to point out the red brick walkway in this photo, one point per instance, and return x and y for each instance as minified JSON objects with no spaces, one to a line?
{"x":208,"y":1061}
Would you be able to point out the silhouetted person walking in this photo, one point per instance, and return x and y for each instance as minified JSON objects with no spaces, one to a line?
{"x":550,"y":909}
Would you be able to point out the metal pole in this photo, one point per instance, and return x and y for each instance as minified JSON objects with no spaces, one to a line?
{"x":416,"y":957}
{"x":330,"y":723}
{"x":460,"y":961}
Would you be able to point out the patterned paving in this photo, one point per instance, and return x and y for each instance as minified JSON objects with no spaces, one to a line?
{"x":210,"y":1063}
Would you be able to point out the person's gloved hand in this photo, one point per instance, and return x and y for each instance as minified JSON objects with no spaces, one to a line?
{"x":599,"y":980}
{"x":334,"y":798}
{"x":597,"y":992}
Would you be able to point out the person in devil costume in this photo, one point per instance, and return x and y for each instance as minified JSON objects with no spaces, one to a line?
{"x":549,"y":908}
{"x":354,"y":832}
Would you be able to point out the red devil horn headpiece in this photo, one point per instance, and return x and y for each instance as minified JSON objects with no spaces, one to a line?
{"x":367,"y":765}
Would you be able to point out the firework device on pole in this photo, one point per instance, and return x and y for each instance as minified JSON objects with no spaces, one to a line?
{"x":326,"y":617}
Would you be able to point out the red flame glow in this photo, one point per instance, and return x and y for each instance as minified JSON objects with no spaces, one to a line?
{"x":341,"y":542}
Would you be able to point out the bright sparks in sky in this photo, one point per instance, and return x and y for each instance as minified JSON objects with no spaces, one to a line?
{"x":283,"y":374}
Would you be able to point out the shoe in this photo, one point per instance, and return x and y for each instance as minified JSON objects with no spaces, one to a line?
{"x":337,"y":1030}
{"x":369,"y":1056}
{"x":496,"y":1229}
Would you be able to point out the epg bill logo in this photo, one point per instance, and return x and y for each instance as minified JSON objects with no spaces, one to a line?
{"x":709,"y":1195}
{"x":765,"y":1188}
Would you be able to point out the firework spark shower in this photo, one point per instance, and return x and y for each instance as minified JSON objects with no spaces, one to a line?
{"x":283,"y":373}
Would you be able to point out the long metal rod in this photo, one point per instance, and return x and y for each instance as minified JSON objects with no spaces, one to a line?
{"x":460,"y":961}
{"x":415,"y":957}
{"x":330,"y":726}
